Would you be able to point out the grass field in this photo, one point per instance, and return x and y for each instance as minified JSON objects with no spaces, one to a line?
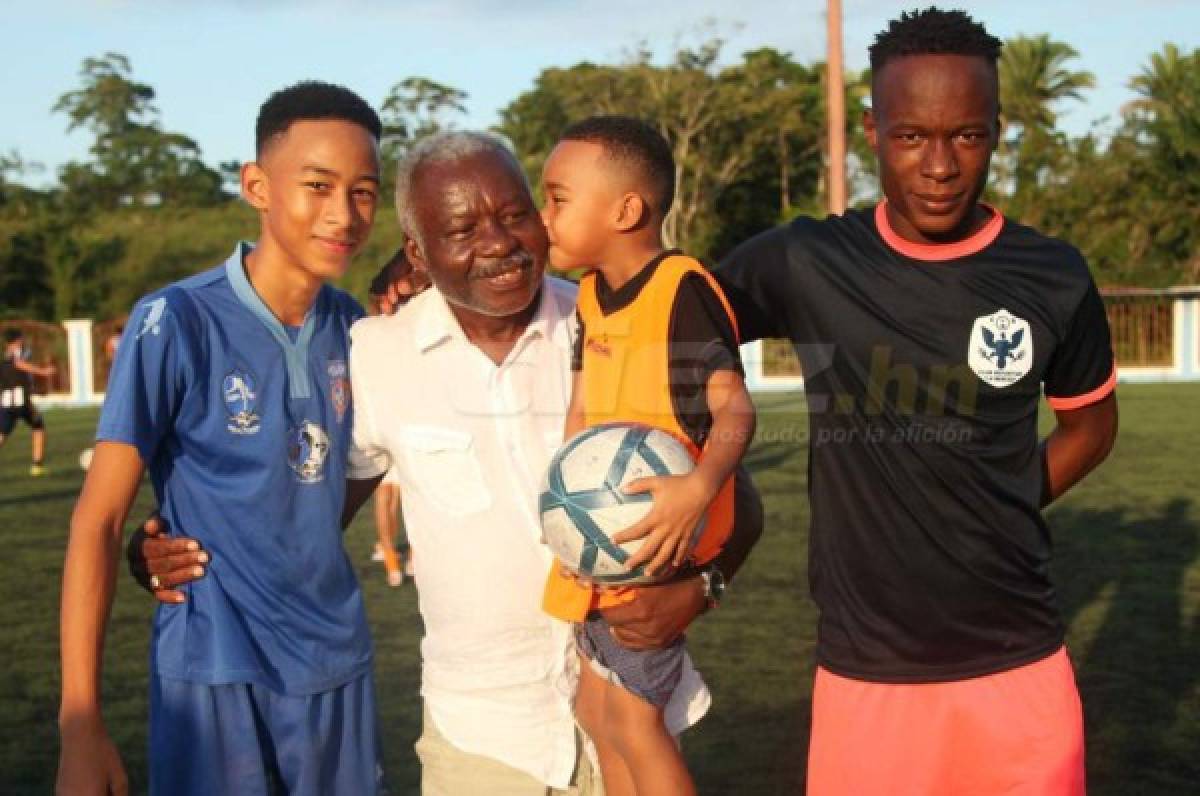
{"x":1128,"y":567}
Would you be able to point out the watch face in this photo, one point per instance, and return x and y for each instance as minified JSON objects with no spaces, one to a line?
{"x":714,"y":584}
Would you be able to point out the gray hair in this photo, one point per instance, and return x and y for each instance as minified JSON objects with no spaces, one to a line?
{"x":447,"y":147}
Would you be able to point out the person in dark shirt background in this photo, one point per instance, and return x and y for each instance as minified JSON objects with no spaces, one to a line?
{"x":16,"y":397}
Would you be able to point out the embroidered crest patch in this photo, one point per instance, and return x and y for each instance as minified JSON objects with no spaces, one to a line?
{"x":1001,"y":348}
{"x":308,"y":448}
{"x":339,"y":388}
{"x":240,"y":394}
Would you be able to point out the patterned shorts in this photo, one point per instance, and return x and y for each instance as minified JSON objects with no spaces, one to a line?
{"x":649,"y":674}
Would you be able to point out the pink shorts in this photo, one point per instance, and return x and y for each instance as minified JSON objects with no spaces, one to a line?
{"x":1018,"y":732}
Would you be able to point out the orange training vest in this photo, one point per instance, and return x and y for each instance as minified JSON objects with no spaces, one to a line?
{"x":626,"y":378}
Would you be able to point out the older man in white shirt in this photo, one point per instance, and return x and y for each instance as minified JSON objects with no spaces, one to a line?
{"x":464,"y":393}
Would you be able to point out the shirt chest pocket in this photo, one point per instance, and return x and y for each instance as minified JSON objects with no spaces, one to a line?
{"x":445,"y":467}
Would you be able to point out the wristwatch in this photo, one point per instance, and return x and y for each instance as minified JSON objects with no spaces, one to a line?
{"x":714,"y":585}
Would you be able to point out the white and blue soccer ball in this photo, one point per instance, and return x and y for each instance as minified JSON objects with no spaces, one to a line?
{"x":583,"y":505}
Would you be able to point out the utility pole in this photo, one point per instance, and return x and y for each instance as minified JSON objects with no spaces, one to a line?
{"x":835,"y":106}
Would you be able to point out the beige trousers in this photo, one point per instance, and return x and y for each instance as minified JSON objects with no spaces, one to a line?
{"x":446,"y":770}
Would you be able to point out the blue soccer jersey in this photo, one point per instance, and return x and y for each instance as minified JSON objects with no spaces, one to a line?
{"x":244,"y":426}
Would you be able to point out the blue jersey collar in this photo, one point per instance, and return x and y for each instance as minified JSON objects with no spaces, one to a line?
{"x":296,"y":354}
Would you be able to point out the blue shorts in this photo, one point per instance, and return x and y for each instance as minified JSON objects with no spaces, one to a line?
{"x":245,"y":739}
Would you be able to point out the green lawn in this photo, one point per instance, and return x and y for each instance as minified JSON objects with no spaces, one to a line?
{"x":1128,"y":545}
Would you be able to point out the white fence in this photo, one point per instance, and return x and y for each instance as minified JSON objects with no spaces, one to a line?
{"x":1156,"y":336}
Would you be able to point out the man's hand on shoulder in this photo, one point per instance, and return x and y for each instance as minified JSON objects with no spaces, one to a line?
{"x":396,"y":284}
{"x":160,"y":563}
{"x":659,"y":615}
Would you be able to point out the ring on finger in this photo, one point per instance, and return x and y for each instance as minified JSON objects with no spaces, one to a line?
{"x":155,"y":583}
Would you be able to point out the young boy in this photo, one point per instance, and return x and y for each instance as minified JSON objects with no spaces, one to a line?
{"x":231,"y":388}
{"x":657,"y":345}
{"x":16,"y":396}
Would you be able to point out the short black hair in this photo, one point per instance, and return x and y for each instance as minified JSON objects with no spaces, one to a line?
{"x":13,"y":334}
{"x":933,"y":32}
{"x":312,"y":100}
{"x":634,"y":143}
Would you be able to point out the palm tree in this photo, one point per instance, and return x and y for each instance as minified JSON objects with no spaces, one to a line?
{"x":1034,"y":80}
{"x":1165,"y":123}
{"x":1168,"y":105}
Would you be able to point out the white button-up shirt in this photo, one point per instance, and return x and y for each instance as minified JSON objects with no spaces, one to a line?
{"x":469,"y":442}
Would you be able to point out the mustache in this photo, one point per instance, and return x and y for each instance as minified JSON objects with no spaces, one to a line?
{"x":487,"y":268}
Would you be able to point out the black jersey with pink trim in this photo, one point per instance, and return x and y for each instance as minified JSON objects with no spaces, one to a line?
{"x":924,"y":367}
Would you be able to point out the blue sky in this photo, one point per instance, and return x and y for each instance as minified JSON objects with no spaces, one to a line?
{"x":212,"y":62}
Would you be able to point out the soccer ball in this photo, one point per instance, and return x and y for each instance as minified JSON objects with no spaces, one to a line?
{"x":85,"y":459}
{"x":582,"y":505}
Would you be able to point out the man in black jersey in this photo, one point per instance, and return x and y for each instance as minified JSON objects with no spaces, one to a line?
{"x":928,"y":328}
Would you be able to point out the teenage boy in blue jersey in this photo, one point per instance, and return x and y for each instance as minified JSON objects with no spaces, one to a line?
{"x":231,"y":389}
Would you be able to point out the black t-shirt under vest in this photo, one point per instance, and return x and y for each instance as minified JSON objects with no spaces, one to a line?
{"x":924,"y":366}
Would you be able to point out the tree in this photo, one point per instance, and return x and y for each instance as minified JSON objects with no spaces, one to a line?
{"x":1165,"y":123}
{"x":1131,"y":199}
{"x":750,"y":130}
{"x":784,"y":102}
{"x":134,"y":161}
{"x":13,"y":166}
{"x":25,"y":290}
{"x":414,"y":108}
{"x":24,"y":284}
{"x":699,"y":111}
{"x":110,"y":104}
{"x":1034,"y":80}
{"x":534,"y":120}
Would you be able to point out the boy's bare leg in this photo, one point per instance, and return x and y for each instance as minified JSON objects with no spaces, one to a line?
{"x":590,"y":706}
{"x":649,"y":752}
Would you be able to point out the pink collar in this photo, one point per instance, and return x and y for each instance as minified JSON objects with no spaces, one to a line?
{"x":939,"y":252}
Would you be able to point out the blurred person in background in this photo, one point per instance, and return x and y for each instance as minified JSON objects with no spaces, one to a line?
{"x":16,"y":397}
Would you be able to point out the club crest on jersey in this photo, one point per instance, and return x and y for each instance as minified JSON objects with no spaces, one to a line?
{"x":308,"y":448}
{"x":240,"y":394}
{"x":1001,"y":348}
{"x":339,"y":388}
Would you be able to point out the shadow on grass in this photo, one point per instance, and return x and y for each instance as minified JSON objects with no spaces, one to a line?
{"x":762,"y":750}
{"x":1122,"y":582}
{"x":39,"y":497}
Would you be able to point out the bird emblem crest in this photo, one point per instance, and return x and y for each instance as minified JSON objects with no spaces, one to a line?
{"x":1001,"y":348}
